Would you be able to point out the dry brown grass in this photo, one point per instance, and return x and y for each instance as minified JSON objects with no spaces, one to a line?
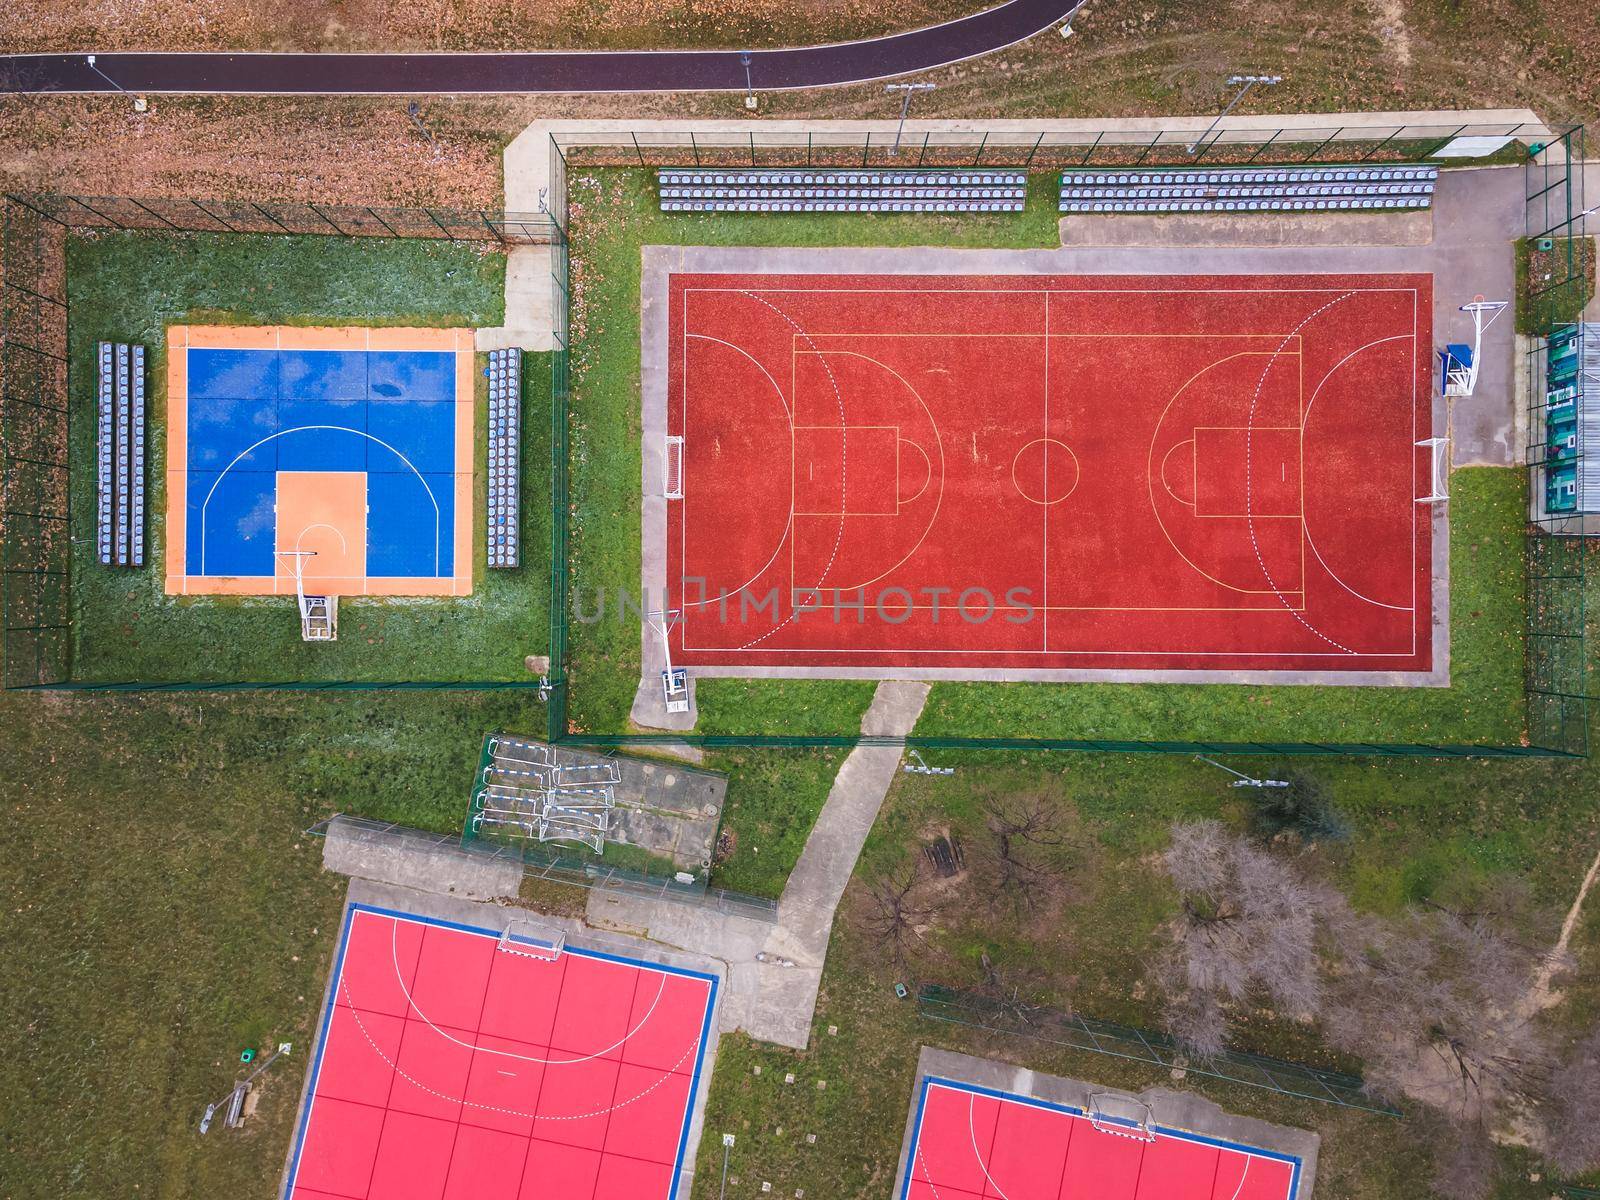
{"x":1126,"y":59}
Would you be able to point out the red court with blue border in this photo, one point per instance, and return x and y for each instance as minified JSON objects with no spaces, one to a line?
{"x":970,"y":1142}
{"x":342,"y":453}
{"x":449,"y":1067}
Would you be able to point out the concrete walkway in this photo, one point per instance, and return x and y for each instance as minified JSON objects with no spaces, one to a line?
{"x":774,"y":971}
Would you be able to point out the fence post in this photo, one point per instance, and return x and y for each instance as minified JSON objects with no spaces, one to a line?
{"x":1325,"y":141}
{"x":269,"y":216}
{"x":1264,"y":145}
{"x":213,"y":216}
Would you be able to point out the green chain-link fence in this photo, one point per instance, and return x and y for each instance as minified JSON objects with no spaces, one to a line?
{"x":957,"y":1007}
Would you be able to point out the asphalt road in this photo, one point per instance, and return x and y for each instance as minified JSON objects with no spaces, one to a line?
{"x":537,"y":71}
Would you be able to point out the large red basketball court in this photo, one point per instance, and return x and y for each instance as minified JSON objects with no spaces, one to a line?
{"x":453,"y":1065}
{"x":969,"y":1142}
{"x":1088,"y":472}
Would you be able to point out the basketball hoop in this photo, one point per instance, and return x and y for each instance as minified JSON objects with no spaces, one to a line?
{"x":1459,"y":363}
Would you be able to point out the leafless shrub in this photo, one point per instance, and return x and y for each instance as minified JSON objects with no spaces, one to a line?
{"x":895,"y":911}
{"x":1444,"y":987}
{"x":1572,"y":1112}
{"x":1465,"y":1164}
{"x":1028,"y":832}
{"x":1247,"y":929}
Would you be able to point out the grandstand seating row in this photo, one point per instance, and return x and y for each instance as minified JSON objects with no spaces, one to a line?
{"x":1263,"y":204}
{"x":120,"y":439}
{"x":864,"y":206}
{"x":701,"y":177}
{"x":505,"y":458}
{"x":1252,"y":192}
{"x":841,"y":191}
{"x":1253,"y":175}
{"x":1183,"y":189}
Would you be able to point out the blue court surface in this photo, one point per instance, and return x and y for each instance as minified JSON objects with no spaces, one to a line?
{"x":285,"y":448}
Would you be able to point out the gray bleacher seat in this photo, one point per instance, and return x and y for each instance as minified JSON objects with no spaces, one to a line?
{"x":1274,"y":189}
{"x":811,"y":190}
{"x":119,"y":454}
{"x":503,"y":514}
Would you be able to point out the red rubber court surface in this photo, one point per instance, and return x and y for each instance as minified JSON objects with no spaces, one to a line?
{"x":448,"y":1068}
{"x":1143,"y":472}
{"x":972,"y":1142}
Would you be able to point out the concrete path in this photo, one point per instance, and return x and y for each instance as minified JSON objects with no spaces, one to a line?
{"x":774,"y":971}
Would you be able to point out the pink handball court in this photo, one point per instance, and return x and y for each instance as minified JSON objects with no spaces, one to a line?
{"x":970,"y":1142}
{"x":452,"y":1064}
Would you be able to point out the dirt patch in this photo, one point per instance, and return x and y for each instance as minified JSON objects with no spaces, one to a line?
{"x":1389,"y":21}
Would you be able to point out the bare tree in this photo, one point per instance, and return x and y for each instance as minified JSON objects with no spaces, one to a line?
{"x":895,"y":911}
{"x":1028,"y":831}
{"x":1432,"y":1006}
{"x":1247,"y":929}
{"x":1572,"y":1112}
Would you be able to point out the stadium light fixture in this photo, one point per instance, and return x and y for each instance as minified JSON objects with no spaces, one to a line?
{"x":905,"y":106}
{"x":749,"y":90}
{"x":1244,"y":83}
{"x":139,"y":102}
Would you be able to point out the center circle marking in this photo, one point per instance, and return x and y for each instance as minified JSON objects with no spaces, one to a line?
{"x":1045,"y":471}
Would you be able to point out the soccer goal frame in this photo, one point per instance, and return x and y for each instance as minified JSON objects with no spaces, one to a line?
{"x":533,"y":939}
{"x":672,"y":469}
{"x":1121,"y":1115}
{"x":1438,"y":470}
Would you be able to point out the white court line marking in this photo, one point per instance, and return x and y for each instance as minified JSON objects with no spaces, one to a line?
{"x":355,"y":1014}
{"x":972,"y":1103}
{"x":1305,"y":420}
{"x":938,"y":442}
{"x":683,"y":513}
{"x":838,"y":537}
{"x":394,"y":956}
{"x":1249,"y":447}
{"x":432,"y":499}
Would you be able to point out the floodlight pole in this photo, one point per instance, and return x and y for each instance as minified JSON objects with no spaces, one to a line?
{"x":414,"y":111}
{"x":749,"y":89}
{"x":1241,"y":779}
{"x":138,"y":101}
{"x":1244,"y":83}
{"x":905,"y":106}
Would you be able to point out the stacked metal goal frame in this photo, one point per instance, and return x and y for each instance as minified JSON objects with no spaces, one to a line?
{"x":1555,"y":673}
{"x":35,"y":542}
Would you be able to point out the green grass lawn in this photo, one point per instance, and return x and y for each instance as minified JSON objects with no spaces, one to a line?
{"x":1483,"y":704}
{"x":128,"y":287}
{"x":163,"y":912}
{"x":1420,"y":831}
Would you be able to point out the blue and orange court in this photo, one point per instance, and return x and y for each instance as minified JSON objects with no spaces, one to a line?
{"x":970,"y":1142}
{"x":450,"y":1065}
{"x":341,"y":453}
